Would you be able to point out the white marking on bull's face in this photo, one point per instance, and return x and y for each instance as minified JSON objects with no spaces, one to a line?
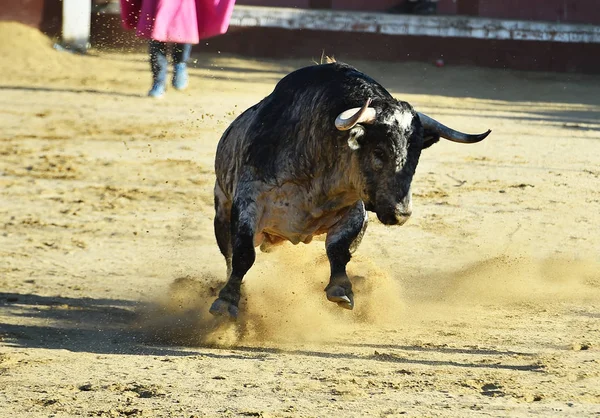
{"x":403,"y":117}
{"x":405,"y":120}
{"x":354,"y":136}
{"x":400,"y":161}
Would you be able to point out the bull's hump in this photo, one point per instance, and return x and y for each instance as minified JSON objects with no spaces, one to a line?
{"x":323,"y":75}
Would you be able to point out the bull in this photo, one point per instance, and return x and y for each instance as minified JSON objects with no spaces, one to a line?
{"x":325,"y":147}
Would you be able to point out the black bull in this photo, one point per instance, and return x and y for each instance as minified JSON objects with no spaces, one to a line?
{"x":326,"y":146}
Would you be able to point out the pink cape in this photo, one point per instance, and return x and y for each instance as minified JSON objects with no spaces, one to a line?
{"x":183,"y":21}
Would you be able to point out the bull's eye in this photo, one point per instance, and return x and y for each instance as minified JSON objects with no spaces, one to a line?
{"x":378,"y":158}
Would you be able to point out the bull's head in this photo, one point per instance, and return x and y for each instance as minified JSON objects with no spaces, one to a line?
{"x":389,"y":141}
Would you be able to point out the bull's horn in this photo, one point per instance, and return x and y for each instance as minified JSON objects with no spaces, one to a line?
{"x":349,"y":118}
{"x":449,"y":133}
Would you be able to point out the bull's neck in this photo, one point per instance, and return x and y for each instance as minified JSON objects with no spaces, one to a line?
{"x":344,"y":176}
{"x":326,"y":173}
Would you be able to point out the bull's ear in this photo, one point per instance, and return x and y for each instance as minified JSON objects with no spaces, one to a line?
{"x":354,"y":137}
{"x":430,"y":138}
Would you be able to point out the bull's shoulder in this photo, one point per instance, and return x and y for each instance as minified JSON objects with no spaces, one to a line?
{"x":292,"y":130}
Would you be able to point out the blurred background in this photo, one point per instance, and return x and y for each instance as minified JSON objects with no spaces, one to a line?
{"x":544,"y":35}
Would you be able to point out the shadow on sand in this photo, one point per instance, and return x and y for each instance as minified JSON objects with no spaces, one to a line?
{"x":108,"y":326}
{"x":68,"y":90}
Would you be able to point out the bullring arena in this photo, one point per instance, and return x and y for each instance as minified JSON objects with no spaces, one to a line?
{"x":486,"y":303}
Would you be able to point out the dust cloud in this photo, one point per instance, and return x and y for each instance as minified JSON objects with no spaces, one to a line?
{"x":283,"y":298}
{"x":506,"y":279}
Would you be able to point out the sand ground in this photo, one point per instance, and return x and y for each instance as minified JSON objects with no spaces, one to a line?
{"x":486,"y":303}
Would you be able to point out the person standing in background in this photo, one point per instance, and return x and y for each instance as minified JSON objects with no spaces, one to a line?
{"x":177,"y":22}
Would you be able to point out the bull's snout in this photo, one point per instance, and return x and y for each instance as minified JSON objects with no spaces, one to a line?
{"x":402,"y":214}
{"x":403,"y":210}
{"x":395,"y":212}
{"x":398,"y":216}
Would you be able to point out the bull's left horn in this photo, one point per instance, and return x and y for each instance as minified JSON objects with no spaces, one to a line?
{"x":449,"y":133}
{"x":348,"y":119}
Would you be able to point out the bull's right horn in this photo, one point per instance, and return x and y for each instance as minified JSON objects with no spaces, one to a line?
{"x":449,"y":133}
{"x":348,"y":119}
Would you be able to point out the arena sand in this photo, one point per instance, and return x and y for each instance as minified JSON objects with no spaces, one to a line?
{"x":485,"y":304}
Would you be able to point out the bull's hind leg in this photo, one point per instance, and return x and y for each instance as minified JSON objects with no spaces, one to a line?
{"x":343,"y":239}
{"x":243,"y":225}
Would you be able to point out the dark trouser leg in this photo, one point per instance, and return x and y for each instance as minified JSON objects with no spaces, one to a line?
{"x":342,"y":240}
{"x":243,"y":224}
{"x":181,"y":55}
{"x":158,"y":65}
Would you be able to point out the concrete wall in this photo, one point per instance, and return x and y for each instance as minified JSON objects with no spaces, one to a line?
{"x":444,"y":6}
{"x":574,"y":11}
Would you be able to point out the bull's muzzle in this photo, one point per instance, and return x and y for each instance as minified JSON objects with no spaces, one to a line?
{"x":403,"y":210}
{"x":397,"y":216}
{"x":402,"y":215}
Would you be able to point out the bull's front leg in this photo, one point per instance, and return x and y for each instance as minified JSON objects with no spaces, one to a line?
{"x":222,"y":225}
{"x":342,"y":240}
{"x":243,"y":225}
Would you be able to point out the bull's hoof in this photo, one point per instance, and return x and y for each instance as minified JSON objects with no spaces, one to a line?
{"x":221,"y":307}
{"x":341,"y":296}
